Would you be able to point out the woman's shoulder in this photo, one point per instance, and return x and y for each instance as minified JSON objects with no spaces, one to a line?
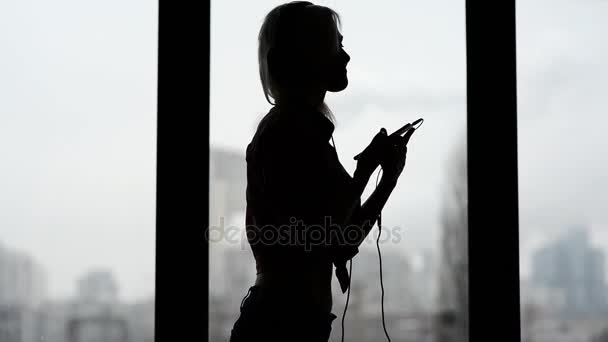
{"x":267,"y":129}
{"x":271,"y":125}
{"x":267,"y":134}
{"x":277,"y":130}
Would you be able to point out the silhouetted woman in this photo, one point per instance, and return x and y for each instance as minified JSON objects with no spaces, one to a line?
{"x":304,"y":213}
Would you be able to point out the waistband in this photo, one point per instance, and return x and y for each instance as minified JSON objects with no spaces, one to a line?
{"x":299,"y":290}
{"x":294,"y":278}
{"x":265,"y":300}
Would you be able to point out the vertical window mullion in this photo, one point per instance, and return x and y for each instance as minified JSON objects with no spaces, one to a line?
{"x":182,"y":258}
{"x":492,"y":172}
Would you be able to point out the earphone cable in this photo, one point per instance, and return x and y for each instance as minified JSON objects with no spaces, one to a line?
{"x":380,"y":264}
{"x":350,"y":275}
{"x":350,"y":266}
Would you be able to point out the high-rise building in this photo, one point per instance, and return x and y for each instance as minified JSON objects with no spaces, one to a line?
{"x":98,"y":286}
{"x":22,"y":279}
{"x":453,"y":298}
{"x":96,"y":313}
{"x":227,"y":183}
{"x":573,"y":266}
{"x":22,"y":290}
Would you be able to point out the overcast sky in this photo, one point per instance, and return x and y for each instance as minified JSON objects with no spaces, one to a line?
{"x":77,"y":118}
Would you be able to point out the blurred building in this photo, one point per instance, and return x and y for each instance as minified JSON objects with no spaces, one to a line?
{"x":232,"y":268}
{"x":227,"y":183}
{"x":540,"y":325}
{"x":22,"y":280}
{"x":22,"y":289}
{"x":409,"y":290}
{"x":452,"y":321}
{"x":140,"y":317}
{"x":98,"y":287}
{"x":232,"y":273}
{"x":96,"y":314}
{"x":571,"y":265}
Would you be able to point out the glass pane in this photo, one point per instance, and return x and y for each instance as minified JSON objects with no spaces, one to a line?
{"x":407,"y":61}
{"x":78,"y":147}
{"x":563,"y":162}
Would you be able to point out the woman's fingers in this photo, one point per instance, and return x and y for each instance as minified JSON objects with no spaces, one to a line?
{"x":375,"y":144}
{"x":407,"y":136}
{"x":381,"y":141}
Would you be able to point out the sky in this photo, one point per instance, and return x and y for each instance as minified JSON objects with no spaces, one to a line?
{"x":78,"y":116}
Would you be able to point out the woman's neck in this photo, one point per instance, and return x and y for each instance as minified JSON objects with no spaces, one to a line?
{"x":310,"y":99}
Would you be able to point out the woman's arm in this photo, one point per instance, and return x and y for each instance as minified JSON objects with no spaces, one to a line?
{"x":364,"y":217}
{"x":360,"y":221}
{"x":361,"y":218}
{"x":367,"y":162}
{"x":392,"y":165}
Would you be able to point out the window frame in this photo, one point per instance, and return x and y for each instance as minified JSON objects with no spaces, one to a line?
{"x":182,"y":192}
{"x":182,"y":251}
{"x":494,"y":301}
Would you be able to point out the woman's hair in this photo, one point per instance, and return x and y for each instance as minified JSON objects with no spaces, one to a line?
{"x":287,"y":31}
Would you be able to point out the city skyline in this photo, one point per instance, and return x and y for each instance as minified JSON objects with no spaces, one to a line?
{"x":95,"y":312}
{"x":525,"y":254}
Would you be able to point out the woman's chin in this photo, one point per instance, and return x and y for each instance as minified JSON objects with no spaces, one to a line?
{"x":338,"y":86}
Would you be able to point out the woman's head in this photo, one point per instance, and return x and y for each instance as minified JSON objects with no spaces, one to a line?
{"x":300,"y":51}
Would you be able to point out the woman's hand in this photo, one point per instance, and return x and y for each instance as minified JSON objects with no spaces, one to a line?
{"x":370,"y":158}
{"x":394,"y":156}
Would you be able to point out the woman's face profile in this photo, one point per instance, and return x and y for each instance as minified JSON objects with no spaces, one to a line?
{"x":333,"y":68}
{"x":337,"y":78}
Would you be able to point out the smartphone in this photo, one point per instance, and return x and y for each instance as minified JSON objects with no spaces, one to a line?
{"x":402,"y":130}
{"x":407,"y":127}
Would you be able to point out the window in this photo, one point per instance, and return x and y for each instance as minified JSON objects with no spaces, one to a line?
{"x":78,"y":147}
{"x":408,"y":61}
{"x":563,"y":158}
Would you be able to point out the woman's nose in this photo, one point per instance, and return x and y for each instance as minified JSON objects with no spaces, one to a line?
{"x":346,"y":58}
